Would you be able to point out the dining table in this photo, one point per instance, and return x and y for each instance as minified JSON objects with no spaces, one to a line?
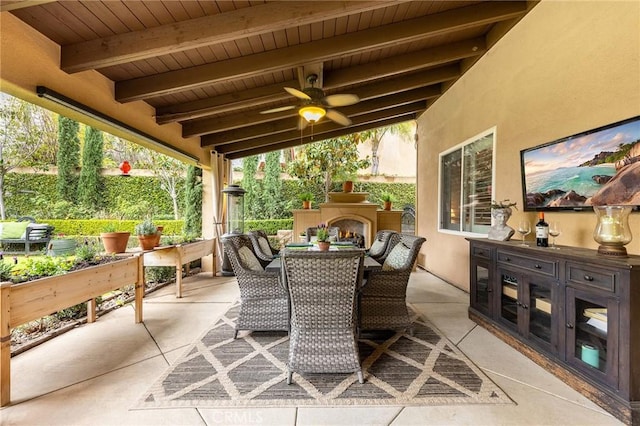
{"x":370,"y":264}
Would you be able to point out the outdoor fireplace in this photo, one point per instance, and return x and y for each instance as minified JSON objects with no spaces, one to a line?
{"x":351,"y":230}
{"x":361,"y":219}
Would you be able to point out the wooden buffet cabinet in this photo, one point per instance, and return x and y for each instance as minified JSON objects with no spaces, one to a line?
{"x":574,"y":312}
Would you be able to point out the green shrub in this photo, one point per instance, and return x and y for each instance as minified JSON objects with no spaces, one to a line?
{"x":270,"y":226}
{"x":6,"y":269}
{"x":87,"y":251}
{"x":159,"y":274}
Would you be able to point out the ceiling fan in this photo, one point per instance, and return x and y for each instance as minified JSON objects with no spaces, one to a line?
{"x":314,"y":104}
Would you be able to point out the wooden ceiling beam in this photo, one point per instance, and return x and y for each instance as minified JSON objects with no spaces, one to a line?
{"x":320,"y":130}
{"x":273,"y":93}
{"x":287,"y":125}
{"x":320,"y":50}
{"x":204,"y":31}
{"x":383,"y":88}
{"x":8,"y":5}
{"x":224,"y":103}
{"x":408,"y":62}
{"x":310,"y":139}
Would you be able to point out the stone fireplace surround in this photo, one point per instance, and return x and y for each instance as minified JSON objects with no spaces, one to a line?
{"x":363,"y":218}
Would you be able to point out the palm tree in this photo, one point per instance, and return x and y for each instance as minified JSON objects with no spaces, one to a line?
{"x":404,"y":130}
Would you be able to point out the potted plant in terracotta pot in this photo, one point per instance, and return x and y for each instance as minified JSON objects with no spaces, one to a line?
{"x":148,"y":235}
{"x":114,"y":241}
{"x":387,"y":200}
{"x":307,"y":199}
{"x":322,"y":235}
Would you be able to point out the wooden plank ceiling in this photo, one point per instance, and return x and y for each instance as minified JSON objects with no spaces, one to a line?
{"x":214,"y":66}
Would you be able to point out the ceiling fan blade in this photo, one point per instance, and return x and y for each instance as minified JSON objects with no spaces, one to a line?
{"x":338,"y":117}
{"x":343,"y":99}
{"x":279,"y":109}
{"x":297,"y":93}
{"x":302,"y":123}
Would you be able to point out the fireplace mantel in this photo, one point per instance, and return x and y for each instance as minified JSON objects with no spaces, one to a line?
{"x":365,"y":212}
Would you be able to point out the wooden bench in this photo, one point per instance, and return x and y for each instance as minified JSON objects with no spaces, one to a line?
{"x":34,"y":234}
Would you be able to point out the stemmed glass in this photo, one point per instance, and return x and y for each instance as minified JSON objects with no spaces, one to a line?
{"x":524,"y":229}
{"x":554,"y":231}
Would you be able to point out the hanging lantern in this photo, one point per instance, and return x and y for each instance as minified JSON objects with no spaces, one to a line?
{"x":125,"y":167}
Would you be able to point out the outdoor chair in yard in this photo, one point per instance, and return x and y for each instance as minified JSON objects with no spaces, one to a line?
{"x":322,"y":287}
{"x":264,"y":302}
{"x":262,"y":248}
{"x":383,"y":295}
{"x":383,"y":243}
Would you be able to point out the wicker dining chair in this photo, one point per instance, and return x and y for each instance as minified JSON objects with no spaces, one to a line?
{"x":383,"y":303}
{"x":264,"y":302}
{"x":262,"y":248}
{"x":334,"y":233}
{"x":322,"y":288}
{"x":383,"y":243}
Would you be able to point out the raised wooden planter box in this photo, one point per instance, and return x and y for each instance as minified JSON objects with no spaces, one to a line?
{"x":177,"y":256}
{"x":24,"y":302}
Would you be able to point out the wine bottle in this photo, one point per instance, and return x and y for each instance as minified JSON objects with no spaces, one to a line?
{"x":542,"y":231}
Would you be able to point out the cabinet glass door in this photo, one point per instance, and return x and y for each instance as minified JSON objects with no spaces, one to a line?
{"x":509,"y":285}
{"x":539,"y":307}
{"x":592,"y":334}
{"x":481,"y":293}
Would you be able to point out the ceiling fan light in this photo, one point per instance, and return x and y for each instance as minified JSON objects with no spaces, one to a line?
{"x":312,"y":113}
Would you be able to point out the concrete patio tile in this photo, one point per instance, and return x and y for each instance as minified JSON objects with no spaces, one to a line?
{"x":113,"y":341}
{"x":198,"y":288}
{"x":494,"y":356}
{"x":427,"y":288}
{"x":105,"y":400}
{"x":250,"y":416}
{"x":450,"y":318}
{"x":336,"y":416}
{"x":175,"y":325}
{"x":533,"y":407}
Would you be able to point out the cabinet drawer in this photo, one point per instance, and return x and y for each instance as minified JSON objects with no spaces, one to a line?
{"x":592,"y":277}
{"x":543,"y":267}
{"x":481,"y":252}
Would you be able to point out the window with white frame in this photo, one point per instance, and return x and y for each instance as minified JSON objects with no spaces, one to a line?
{"x":466,"y":177}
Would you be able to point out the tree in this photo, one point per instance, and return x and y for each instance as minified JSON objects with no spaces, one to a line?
{"x":272,"y":186}
{"x":90,"y":187}
{"x":404,"y":130}
{"x":167,"y":169}
{"x":319,"y":163}
{"x":26,"y":131}
{"x":252,"y":203}
{"x":68,"y":158}
{"x":193,"y":202}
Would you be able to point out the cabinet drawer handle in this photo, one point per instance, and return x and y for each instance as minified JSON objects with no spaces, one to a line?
{"x":489,"y":290}
{"x":569,"y":325}
{"x":525,"y":306}
{"x":537,"y":266}
{"x":480,"y":253}
{"x":588,"y":278}
{"x":508,"y":259}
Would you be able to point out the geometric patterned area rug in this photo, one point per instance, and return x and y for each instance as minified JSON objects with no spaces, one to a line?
{"x":399,"y":370}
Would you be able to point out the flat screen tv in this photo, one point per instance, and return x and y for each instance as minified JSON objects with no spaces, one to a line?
{"x":597,"y":167}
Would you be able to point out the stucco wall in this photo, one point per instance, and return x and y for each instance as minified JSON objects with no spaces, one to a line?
{"x":565,"y":68}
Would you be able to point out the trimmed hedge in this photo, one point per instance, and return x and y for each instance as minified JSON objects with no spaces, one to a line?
{"x":270,"y":226}
{"x":89,"y":227}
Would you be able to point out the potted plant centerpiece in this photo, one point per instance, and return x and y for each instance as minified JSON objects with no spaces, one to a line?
{"x":148,"y":235}
{"x":322,"y":235}
{"x":114,"y":241}
{"x":307,"y":199}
